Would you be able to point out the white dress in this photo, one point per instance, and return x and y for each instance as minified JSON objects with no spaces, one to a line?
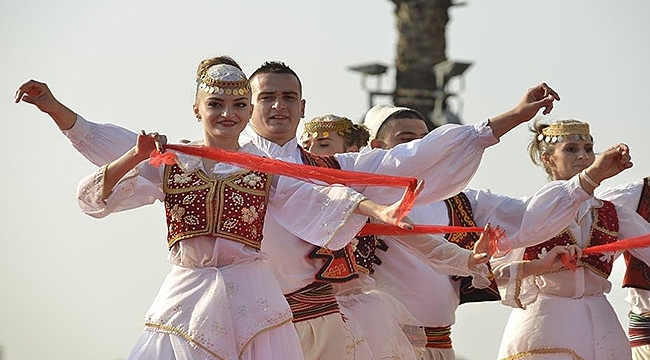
{"x":565,"y":314}
{"x":220,"y":300}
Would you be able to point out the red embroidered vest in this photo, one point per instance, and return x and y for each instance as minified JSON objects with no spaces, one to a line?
{"x":637,"y":273}
{"x":604,"y":230}
{"x":232,"y":208}
{"x":460,"y":214}
{"x":340,"y":265}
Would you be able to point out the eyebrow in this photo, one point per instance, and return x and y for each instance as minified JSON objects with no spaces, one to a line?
{"x":279,"y":91}
{"x":409,"y":133}
{"x":222,"y":99}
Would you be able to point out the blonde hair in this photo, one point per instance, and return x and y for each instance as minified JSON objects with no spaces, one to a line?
{"x":539,"y":144}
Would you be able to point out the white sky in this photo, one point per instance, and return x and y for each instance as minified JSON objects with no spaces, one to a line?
{"x":72,"y":287}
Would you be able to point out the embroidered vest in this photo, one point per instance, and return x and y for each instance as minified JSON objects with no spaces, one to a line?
{"x":340,"y":265}
{"x":460,"y":214}
{"x":604,"y":230}
{"x":232,"y":208}
{"x":637,"y":273}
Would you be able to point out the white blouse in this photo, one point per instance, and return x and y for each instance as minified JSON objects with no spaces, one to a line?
{"x":520,"y":292}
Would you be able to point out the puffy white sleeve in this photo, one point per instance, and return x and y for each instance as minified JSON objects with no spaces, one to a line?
{"x":625,"y":195}
{"x":533,"y":220}
{"x":446,"y":159}
{"x":140,"y":186}
{"x":444,"y":257}
{"x":321,"y":215}
{"x":100,"y":143}
{"x":515,"y":290}
{"x":631,"y":224}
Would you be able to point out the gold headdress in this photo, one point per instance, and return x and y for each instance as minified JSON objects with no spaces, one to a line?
{"x":325,"y":124}
{"x":561,"y":130}
{"x":223,"y":79}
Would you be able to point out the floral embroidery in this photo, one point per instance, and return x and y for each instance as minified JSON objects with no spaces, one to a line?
{"x":237,"y":199}
{"x":607,"y":257}
{"x":191,"y":220}
{"x":229,"y":224}
{"x":249,"y":214}
{"x":188,"y":199}
{"x":177,"y":213}
{"x":251,"y":179}
{"x":182,"y":178}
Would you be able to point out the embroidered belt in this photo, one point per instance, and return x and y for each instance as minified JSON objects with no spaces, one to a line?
{"x":438,"y":337}
{"x":313,"y":301}
{"x":639,"y":331}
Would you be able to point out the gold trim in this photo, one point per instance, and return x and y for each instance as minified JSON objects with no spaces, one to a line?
{"x":177,"y":331}
{"x":290,"y":319}
{"x":518,"y":281}
{"x":341,"y":125}
{"x":214,"y":211}
{"x":521,"y":355}
{"x":562,"y":128}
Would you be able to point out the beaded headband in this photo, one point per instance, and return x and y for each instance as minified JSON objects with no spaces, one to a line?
{"x":558,"y":131}
{"x":223,"y":79}
{"x":340,"y":125}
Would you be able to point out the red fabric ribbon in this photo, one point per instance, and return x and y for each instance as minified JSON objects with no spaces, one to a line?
{"x":385,"y":229}
{"x":624,"y":244}
{"x":620,"y":245}
{"x":298,"y":171}
{"x":495,"y":234}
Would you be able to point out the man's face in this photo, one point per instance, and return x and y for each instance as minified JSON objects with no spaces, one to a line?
{"x":277,"y":106}
{"x":400,"y":131}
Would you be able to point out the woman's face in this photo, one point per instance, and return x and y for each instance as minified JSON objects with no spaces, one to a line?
{"x":569,"y":158}
{"x":223,"y":116}
{"x":320,"y":145}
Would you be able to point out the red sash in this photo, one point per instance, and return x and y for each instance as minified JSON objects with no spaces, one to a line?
{"x":637,"y":273}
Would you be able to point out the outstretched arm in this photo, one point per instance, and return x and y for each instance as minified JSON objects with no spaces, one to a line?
{"x":536,"y":98}
{"x":39,"y":95}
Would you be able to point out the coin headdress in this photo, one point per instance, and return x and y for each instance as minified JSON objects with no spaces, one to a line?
{"x":223,"y":79}
{"x":565,"y":130}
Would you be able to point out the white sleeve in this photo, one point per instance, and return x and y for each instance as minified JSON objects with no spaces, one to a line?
{"x":444,"y":257}
{"x":140,"y":186}
{"x":100,"y":143}
{"x":631,"y":224}
{"x":530,"y":221}
{"x":515,"y":290}
{"x":625,"y":195}
{"x":321,"y":215}
{"x":446,"y":159}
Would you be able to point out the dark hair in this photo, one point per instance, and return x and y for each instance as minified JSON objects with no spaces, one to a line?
{"x":399,"y":114}
{"x":275,"y":67}
{"x":358,"y":136}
